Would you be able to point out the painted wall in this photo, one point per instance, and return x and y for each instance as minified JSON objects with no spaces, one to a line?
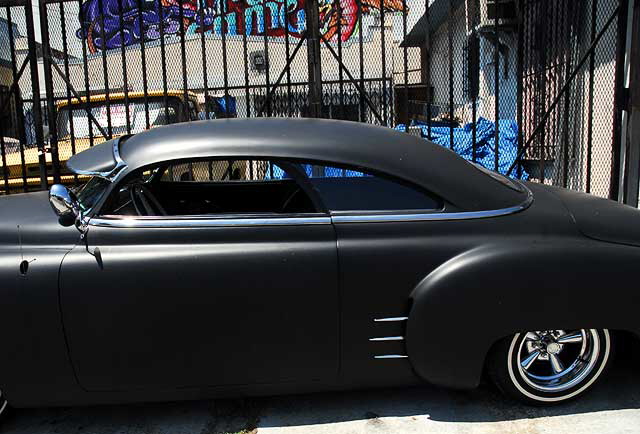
{"x":107,"y":24}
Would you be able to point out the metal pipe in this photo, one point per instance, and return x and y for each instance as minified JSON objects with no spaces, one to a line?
{"x":313,"y":58}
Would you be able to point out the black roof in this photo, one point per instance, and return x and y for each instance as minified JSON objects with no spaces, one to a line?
{"x":381,"y":149}
{"x":438,"y":14}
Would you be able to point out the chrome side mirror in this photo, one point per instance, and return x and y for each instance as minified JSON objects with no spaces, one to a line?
{"x":65,"y":204}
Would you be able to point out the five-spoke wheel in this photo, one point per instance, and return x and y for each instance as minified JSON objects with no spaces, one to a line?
{"x":546,"y":366}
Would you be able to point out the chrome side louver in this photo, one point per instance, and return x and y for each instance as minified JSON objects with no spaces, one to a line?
{"x":389,"y":338}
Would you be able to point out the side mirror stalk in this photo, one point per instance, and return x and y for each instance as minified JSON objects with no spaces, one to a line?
{"x":96,"y":251}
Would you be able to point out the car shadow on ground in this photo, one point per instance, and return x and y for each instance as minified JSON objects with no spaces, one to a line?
{"x":620,"y":390}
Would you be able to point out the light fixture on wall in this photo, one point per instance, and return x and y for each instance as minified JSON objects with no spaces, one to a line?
{"x":259,"y":61}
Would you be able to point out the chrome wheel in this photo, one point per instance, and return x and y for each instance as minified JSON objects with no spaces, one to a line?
{"x":546,"y":366}
{"x":555,"y":360}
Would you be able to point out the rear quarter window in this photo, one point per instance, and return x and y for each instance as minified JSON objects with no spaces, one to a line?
{"x":354,"y":189}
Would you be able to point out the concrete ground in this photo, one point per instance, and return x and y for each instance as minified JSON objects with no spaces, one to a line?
{"x":613,"y":407}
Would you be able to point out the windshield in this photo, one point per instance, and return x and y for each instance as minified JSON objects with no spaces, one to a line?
{"x":89,"y":194}
{"x":117,"y":114}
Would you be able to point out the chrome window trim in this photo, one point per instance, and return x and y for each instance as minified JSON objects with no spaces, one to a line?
{"x":391,"y":319}
{"x":221,"y":221}
{"x":434,"y":216}
{"x":391,"y":356}
{"x":145,"y":222}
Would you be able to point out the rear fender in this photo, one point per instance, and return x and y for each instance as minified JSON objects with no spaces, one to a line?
{"x":482,"y":295}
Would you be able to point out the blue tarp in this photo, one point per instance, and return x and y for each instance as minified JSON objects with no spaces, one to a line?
{"x":485,"y":142}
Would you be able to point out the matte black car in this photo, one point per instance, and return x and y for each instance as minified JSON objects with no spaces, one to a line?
{"x":268,"y":256}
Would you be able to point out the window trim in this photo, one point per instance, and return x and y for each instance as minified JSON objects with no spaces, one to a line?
{"x":433,"y":216}
{"x":177,"y":222}
{"x":323,"y":216}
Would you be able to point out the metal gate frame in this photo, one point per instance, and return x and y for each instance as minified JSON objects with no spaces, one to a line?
{"x":32,"y":61}
{"x":626,"y":175}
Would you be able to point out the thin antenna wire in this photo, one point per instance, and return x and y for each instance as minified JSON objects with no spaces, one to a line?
{"x":20,"y":242}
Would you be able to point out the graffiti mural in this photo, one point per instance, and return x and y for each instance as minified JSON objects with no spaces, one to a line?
{"x":108,"y":24}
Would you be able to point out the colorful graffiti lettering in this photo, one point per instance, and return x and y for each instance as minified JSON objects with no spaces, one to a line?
{"x":108,"y":24}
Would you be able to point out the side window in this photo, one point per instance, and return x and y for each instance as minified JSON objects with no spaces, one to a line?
{"x":211,"y":188}
{"x":223,"y":170}
{"x":352,"y":189}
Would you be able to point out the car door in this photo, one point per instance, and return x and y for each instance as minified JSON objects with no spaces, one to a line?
{"x":384,"y":251}
{"x":207,"y":300}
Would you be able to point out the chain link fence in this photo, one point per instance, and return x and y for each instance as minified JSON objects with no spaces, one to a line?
{"x":529,"y":88}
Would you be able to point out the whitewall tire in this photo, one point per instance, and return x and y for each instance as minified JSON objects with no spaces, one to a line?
{"x":550,"y":366}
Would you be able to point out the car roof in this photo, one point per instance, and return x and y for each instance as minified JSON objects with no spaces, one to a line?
{"x":381,"y":149}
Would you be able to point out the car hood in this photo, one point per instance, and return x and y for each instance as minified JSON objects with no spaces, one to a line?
{"x":601,"y":219}
{"x":37,"y":222}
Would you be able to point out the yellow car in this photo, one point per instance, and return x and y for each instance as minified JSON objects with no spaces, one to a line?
{"x":75,"y":128}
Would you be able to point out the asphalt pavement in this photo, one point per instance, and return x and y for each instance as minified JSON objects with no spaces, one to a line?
{"x":613,"y":407}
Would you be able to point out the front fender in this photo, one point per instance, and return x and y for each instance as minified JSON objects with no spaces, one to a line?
{"x":482,"y":295}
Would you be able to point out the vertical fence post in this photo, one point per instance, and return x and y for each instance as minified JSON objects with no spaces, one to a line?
{"x":405,"y":69}
{"x":592,"y":67}
{"x":105,"y":71}
{"x":313,"y":57}
{"x":617,"y":145}
{"x":362,"y":109}
{"x":22,"y":133}
{"x":267,"y":79}
{"x":35,"y":90}
{"x":496,"y":88}
{"x":427,"y":65}
{"x":450,"y":81}
{"x":48,"y":83}
{"x":473,"y":72}
{"x":520,"y":86}
{"x":633,"y":111}
{"x":383,"y":64}
{"x":123,"y":56}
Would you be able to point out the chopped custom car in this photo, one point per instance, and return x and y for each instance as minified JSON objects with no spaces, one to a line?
{"x":268,"y":256}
